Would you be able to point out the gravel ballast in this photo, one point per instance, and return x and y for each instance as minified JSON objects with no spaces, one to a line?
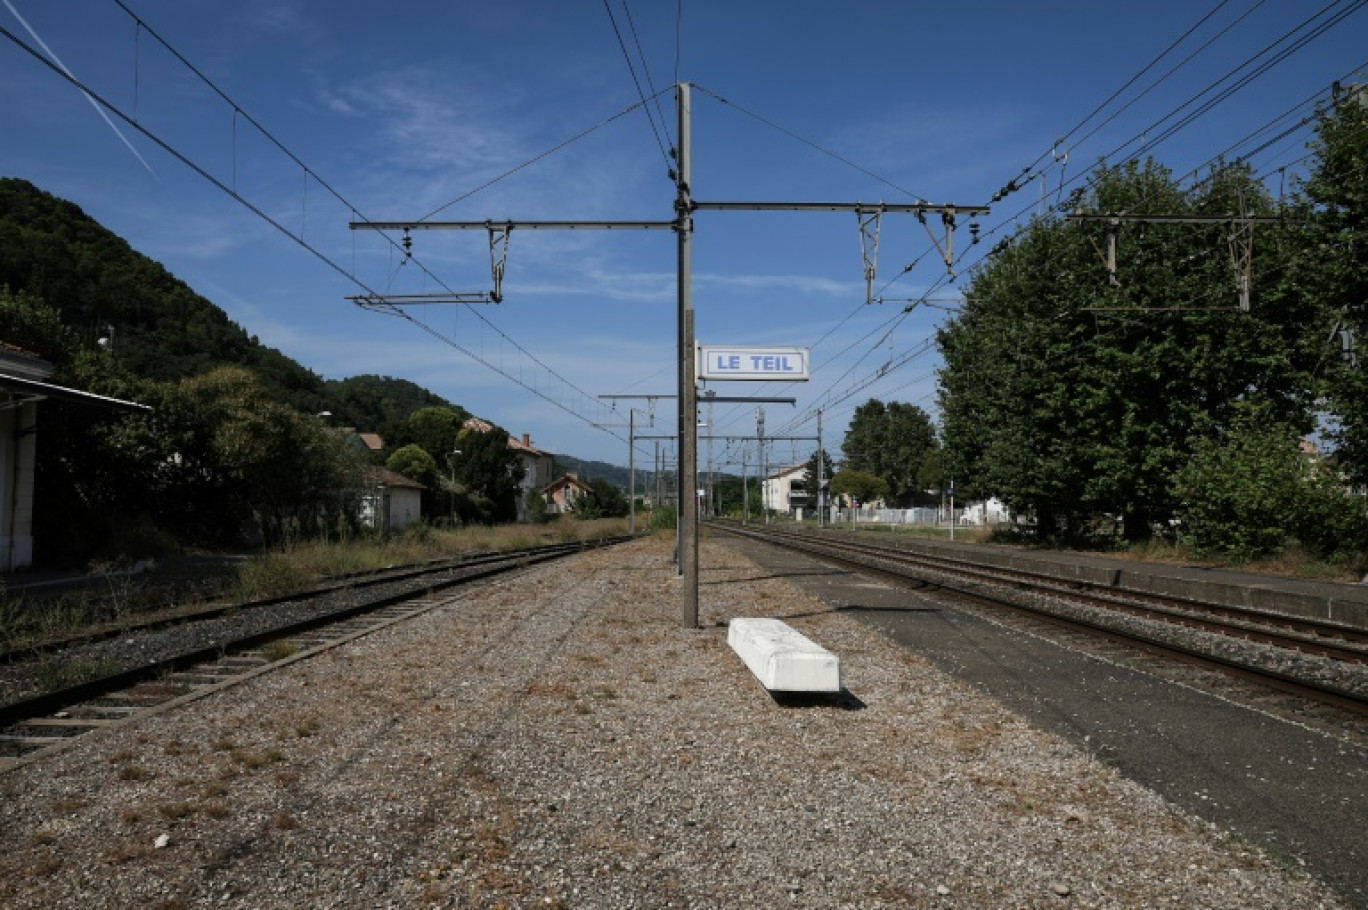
{"x":557,"y":740}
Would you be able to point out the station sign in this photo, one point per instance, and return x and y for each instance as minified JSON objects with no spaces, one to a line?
{"x":747,"y":363}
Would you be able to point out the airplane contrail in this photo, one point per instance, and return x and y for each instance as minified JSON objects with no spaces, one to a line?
{"x":93,"y":103}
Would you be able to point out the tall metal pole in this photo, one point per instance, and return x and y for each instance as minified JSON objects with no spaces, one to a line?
{"x":688,"y":408}
{"x":821,"y":475}
{"x":745,"y":487}
{"x":631,"y":471}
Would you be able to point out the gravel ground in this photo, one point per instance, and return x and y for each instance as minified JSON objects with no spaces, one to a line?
{"x":556,"y":740}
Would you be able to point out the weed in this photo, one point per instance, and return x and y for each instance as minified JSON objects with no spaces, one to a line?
{"x":213,"y":789}
{"x":45,"y":866}
{"x":280,"y":649}
{"x":283,"y":821}
{"x":215,"y":808}
{"x":122,"y":755}
{"x":56,"y":673}
{"x":124,"y":853}
{"x":287,"y":777}
{"x":306,"y":728}
{"x":223,"y":744}
{"x":176,"y":811}
{"x":134,"y":772}
{"x":130,"y":816}
{"x":69,"y":804}
{"x":273,"y":575}
{"x":254,"y":760}
{"x":45,"y":838}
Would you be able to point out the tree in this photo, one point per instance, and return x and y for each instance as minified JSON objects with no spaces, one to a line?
{"x":1251,"y":491}
{"x":491,"y":471}
{"x":811,"y":475}
{"x":415,"y":463}
{"x":890,"y":441}
{"x":861,"y":486}
{"x":436,"y":430}
{"x":603,"y":500}
{"x":730,"y":497}
{"x":1335,"y":270}
{"x":1071,"y":398}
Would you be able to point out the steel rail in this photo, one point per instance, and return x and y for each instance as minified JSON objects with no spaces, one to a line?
{"x":902,"y":566}
{"x":48,"y":703}
{"x":333,"y":583}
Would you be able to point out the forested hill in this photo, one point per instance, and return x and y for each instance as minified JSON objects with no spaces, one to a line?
{"x":162,"y":329}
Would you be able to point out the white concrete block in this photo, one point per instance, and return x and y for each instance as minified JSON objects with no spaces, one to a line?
{"x":783,"y":659}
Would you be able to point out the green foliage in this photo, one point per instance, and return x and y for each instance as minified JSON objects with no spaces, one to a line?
{"x":1071,"y":398}
{"x":381,"y":404}
{"x":1334,"y":269}
{"x":1249,"y":493}
{"x":602,"y":501}
{"x":811,"y":474}
{"x":491,"y":472}
{"x":890,"y":441}
{"x":435,"y":429}
{"x":731,"y":498}
{"x":664,"y":518}
{"x":534,"y":507}
{"x":162,"y":330}
{"x":861,"y":486}
{"x":416,"y":464}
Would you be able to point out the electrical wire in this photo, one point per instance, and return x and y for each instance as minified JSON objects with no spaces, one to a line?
{"x":645,"y":68}
{"x":608,"y":8}
{"x":538,"y":157}
{"x":1114,"y":95}
{"x":808,"y":142}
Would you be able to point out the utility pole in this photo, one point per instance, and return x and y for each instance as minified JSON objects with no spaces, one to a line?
{"x":688,"y":407}
{"x":631,"y":449}
{"x":821,"y":475}
{"x":745,"y":487}
{"x":764,"y":469}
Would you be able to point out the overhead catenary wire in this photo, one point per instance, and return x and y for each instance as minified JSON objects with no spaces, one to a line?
{"x":539,"y":157}
{"x":1026,"y":171}
{"x":646,"y":68}
{"x":1143,"y":136}
{"x":622,"y":44}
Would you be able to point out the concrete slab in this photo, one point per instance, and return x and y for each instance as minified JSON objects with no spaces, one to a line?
{"x":782,"y":658}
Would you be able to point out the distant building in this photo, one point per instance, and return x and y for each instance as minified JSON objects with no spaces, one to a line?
{"x":985,"y":512}
{"x":539,"y":468}
{"x":390,"y":501}
{"x":562,"y":493}
{"x":370,"y":446}
{"x":785,"y":490}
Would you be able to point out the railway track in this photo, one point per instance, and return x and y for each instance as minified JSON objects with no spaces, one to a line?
{"x":1322,"y":660}
{"x":172,"y":662}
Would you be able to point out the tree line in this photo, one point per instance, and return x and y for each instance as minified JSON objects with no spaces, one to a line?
{"x":1150,"y":400}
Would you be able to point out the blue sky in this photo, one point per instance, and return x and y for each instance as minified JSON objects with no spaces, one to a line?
{"x":400,"y":109}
